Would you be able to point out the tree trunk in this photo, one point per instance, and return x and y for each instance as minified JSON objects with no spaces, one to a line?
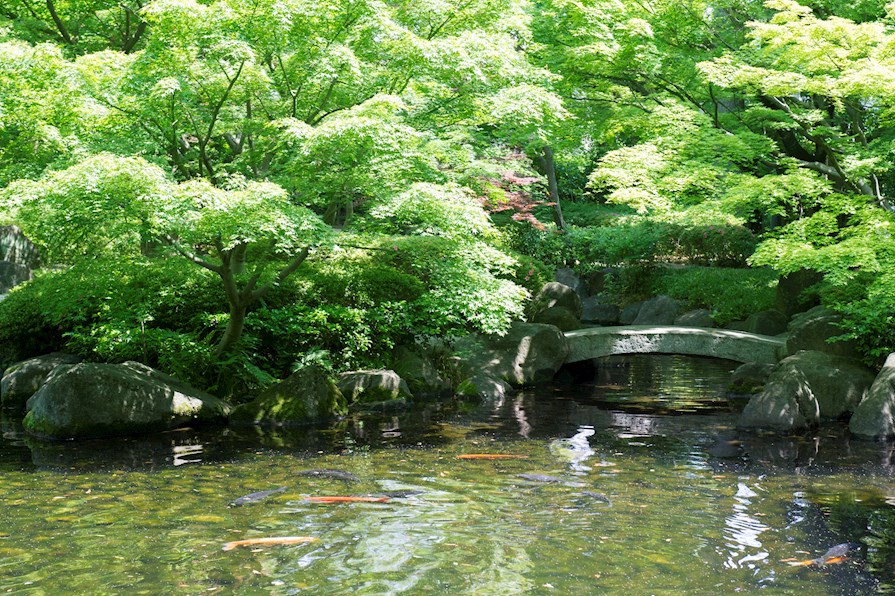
{"x":552,"y":186}
{"x":233,"y":331}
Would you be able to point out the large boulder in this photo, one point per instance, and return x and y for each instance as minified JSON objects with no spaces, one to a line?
{"x":568,"y":277}
{"x":629,"y":314}
{"x":750,"y":377}
{"x":307,"y":396}
{"x":12,"y":274}
{"x":874,"y":418}
{"x":529,"y":354}
{"x":794,"y":293}
{"x":419,"y":372}
{"x":21,"y":380}
{"x":661,"y":310}
{"x":806,"y":388}
{"x":16,"y":248}
{"x":373,"y":386}
{"x":89,"y":400}
{"x":695,"y":318}
{"x":555,"y":294}
{"x":813,"y":329}
{"x":595,"y":310}
{"x":766,"y":322}
{"x":558,"y":316}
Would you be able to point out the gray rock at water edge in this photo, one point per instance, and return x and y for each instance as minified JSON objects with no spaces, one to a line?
{"x":89,"y":400}
{"x":874,"y":418}
{"x":22,"y":379}
{"x":483,"y":387}
{"x":307,"y":396}
{"x":661,"y":310}
{"x":555,"y":294}
{"x":419,"y":372}
{"x":595,"y":311}
{"x":558,"y":316}
{"x":372,"y":386}
{"x":805,"y":389}
{"x":528,"y":354}
{"x":695,"y":318}
{"x":750,"y":377}
{"x":811,"y":330}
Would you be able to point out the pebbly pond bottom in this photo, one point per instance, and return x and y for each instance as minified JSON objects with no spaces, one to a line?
{"x":630,"y":481}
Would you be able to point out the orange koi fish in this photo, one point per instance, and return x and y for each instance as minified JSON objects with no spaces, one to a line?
{"x":348,"y":499}
{"x":269,"y":541}
{"x":491,"y":456}
{"x":836,"y":554}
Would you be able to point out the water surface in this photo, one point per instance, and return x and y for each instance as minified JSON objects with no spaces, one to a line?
{"x":635,"y":482}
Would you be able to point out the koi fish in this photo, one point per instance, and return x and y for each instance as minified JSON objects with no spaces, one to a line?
{"x":255,"y":497}
{"x":269,"y":541}
{"x":491,"y":456}
{"x":836,"y":554}
{"x":348,"y":499}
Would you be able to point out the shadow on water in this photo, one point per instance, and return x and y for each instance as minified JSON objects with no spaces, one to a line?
{"x":632,"y":477}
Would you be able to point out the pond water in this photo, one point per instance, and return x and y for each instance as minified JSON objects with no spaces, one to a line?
{"x":634,"y":482}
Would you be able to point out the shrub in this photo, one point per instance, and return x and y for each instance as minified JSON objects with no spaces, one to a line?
{"x":729,"y":293}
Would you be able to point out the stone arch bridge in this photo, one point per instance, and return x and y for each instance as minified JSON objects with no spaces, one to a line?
{"x":740,"y":346}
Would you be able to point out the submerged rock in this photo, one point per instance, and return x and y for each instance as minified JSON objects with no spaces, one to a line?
{"x":90,"y":400}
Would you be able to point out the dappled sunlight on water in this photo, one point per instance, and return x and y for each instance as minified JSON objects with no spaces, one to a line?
{"x":606,"y":496}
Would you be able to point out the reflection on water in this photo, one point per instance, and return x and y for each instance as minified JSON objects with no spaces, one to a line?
{"x":743,"y":531}
{"x":633,"y":481}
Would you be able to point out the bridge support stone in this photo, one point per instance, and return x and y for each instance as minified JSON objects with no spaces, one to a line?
{"x":740,"y":346}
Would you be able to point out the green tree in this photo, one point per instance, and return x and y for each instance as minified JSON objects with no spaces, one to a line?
{"x":250,"y":235}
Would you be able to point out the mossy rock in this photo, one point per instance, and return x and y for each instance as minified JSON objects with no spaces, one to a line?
{"x":308,"y":396}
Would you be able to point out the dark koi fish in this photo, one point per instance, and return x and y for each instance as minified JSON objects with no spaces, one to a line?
{"x":255,"y":497}
{"x":269,"y":541}
{"x":836,"y":554}
{"x":332,"y":474}
{"x":348,"y":499}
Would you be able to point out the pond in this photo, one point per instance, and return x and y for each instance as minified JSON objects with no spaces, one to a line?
{"x":632,"y":480}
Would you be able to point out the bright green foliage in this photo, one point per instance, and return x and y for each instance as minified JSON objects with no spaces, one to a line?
{"x":103,"y":205}
{"x":42,"y":110}
{"x":449,"y":211}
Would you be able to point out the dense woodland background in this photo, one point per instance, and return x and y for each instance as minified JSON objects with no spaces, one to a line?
{"x":229,"y":189}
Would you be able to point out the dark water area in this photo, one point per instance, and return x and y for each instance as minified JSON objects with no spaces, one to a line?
{"x":630,"y":479}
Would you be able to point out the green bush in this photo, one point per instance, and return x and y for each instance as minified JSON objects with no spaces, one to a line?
{"x":111,"y":311}
{"x":870,"y":320}
{"x":729,"y":293}
{"x":343,"y":337}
